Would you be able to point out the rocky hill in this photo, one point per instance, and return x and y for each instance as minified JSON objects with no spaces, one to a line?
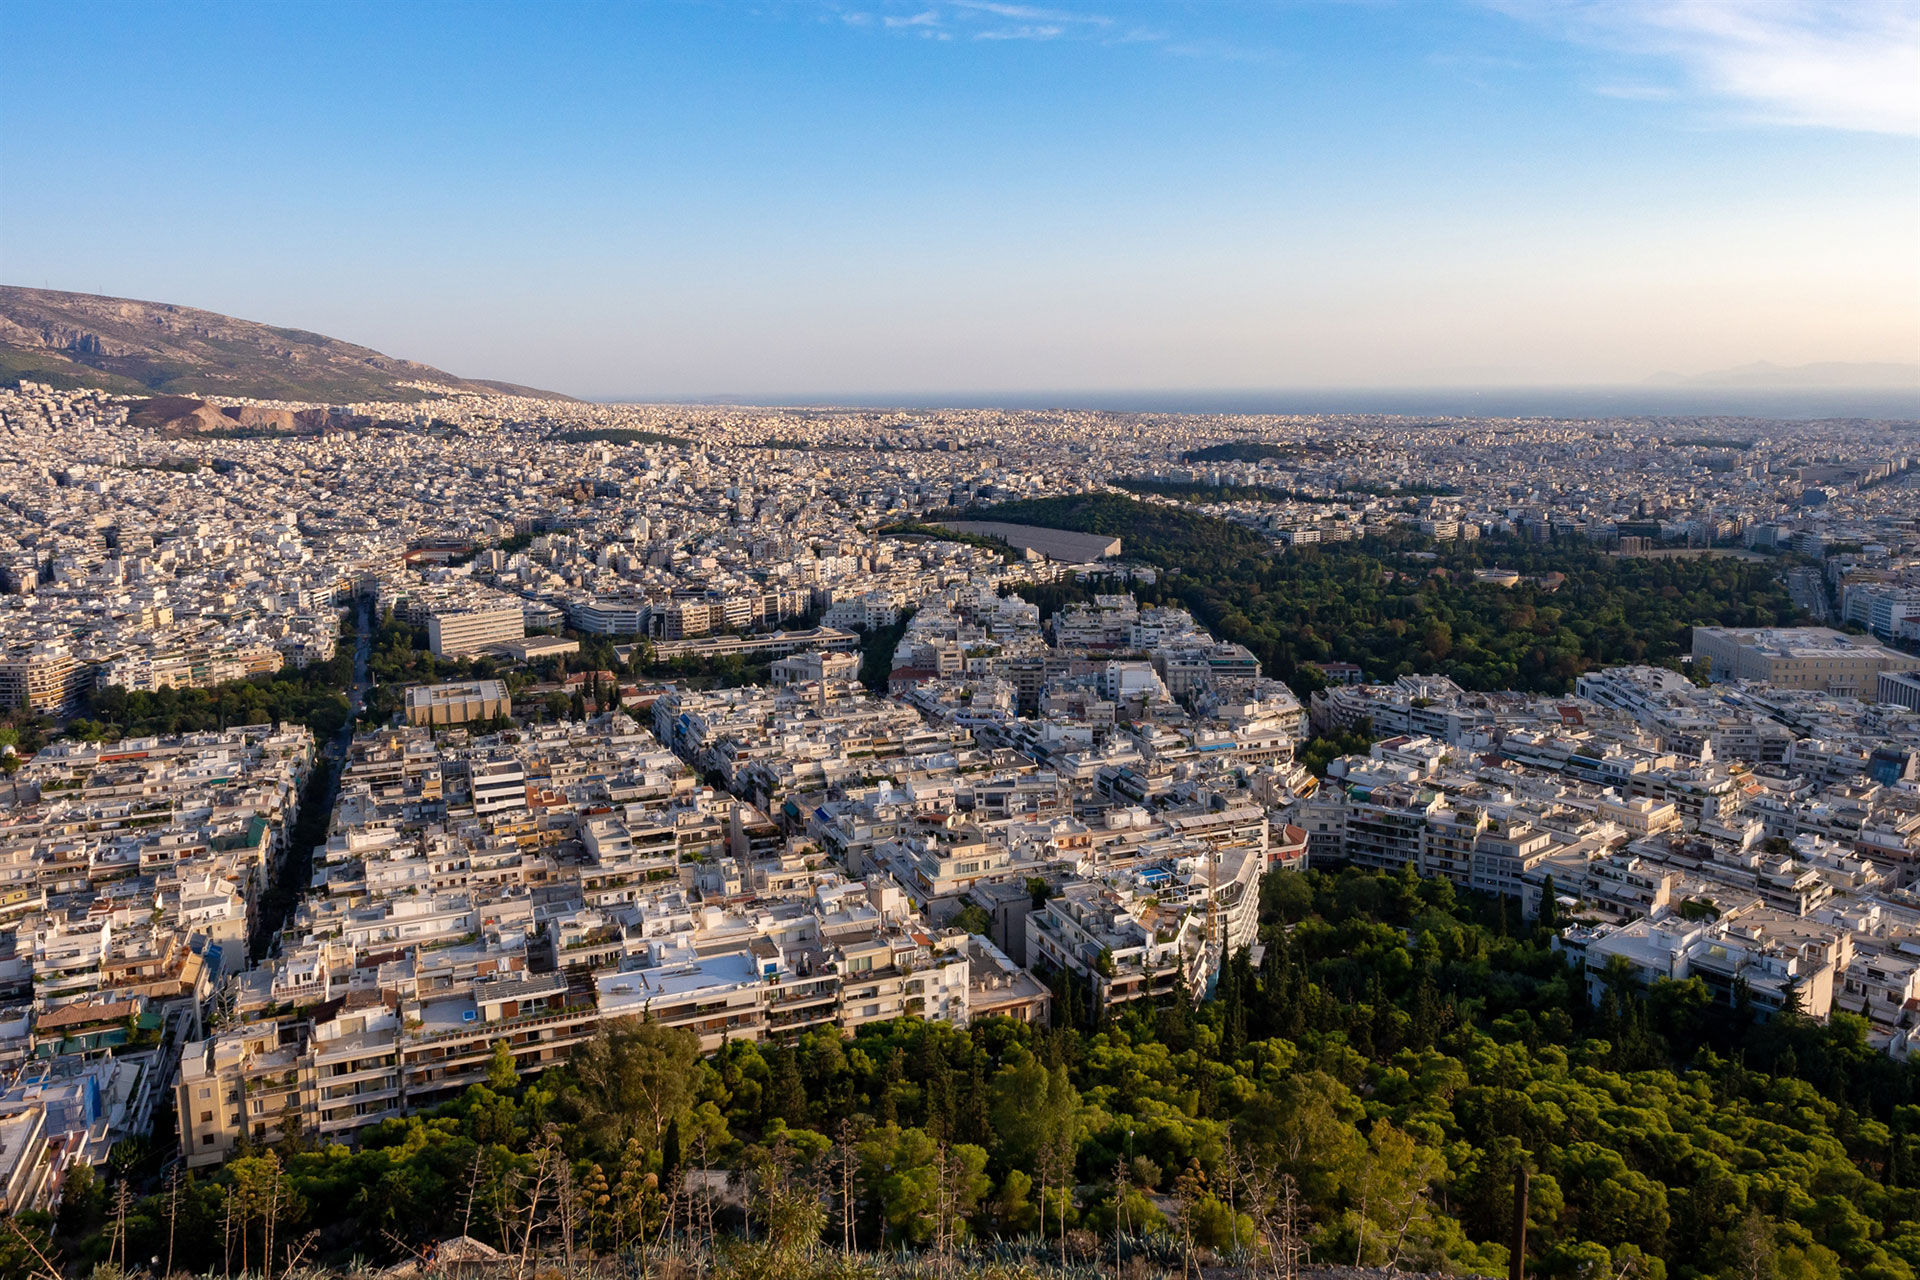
{"x":118,"y":344}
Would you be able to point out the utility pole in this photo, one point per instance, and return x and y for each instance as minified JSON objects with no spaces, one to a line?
{"x":173,"y":1214}
{"x":121,"y":1197}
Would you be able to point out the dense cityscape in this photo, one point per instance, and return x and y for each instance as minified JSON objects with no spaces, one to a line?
{"x":389,"y":782}
{"x":960,"y":640}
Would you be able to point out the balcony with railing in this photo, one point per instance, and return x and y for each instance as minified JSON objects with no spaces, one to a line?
{"x":573,"y":1012}
{"x":345,"y":1118}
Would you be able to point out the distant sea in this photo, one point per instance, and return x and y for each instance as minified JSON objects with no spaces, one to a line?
{"x":1454,"y":402}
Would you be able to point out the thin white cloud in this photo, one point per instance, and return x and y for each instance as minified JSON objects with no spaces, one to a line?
{"x":1836,"y":64}
{"x":995,"y":20}
{"x":1027,"y":32}
{"x":1026,"y":13}
{"x":1003,"y":20}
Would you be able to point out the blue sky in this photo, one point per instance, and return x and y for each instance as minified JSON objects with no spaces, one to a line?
{"x":685,"y":199}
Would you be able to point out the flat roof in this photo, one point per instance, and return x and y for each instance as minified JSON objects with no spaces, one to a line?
{"x":729,"y":969}
{"x":461,"y":691}
{"x":538,"y":646}
{"x":1794,"y":641}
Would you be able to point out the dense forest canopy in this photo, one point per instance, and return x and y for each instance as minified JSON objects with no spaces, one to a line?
{"x":1239,"y":451}
{"x":1197,"y":491}
{"x":1379,"y":604}
{"x":618,"y":435}
{"x":1193,"y":491}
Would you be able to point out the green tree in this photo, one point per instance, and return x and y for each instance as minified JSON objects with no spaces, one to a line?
{"x":82,"y":1202}
{"x":918,"y":1184}
{"x":11,"y":760}
{"x":26,"y":1250}
{"x":503,"y":1075}
{"x":632,"y":1078}
{"x":974,"y":919}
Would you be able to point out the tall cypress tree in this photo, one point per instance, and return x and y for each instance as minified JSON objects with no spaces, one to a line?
{"x":670,"y":1152}
{"x":936,"y":1086}
{"x":972,"y":1122}
{"x":786,"y":1096}
{"x":889,"y":1100}
{"x":1425,"y":1014}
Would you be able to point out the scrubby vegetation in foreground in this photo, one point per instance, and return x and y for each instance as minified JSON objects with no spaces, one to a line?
{"x":1377,"y":1081}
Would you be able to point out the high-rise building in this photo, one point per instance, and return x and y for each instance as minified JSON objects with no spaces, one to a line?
{"x":457,"y":633}
{"x":43,"y":680}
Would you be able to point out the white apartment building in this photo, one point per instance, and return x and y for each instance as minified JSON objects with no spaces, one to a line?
{"x":459,"y":633}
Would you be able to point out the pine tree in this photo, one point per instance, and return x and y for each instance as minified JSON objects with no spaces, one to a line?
{"x":1298,"y":1005}
{"x":1206,"y":1092}
{"x":503,"y":1076}
{"x":1275,"y":979}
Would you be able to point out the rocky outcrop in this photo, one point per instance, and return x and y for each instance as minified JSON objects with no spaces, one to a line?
{"x":123,"y":343}
{"x":183,"y":416}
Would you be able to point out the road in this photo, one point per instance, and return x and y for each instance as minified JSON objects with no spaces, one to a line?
{"x":1809,"y":591}
{"x":335,"y":751}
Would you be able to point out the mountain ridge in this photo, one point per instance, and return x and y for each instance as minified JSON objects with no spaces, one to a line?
{"x":137,"y":347}
{"x":1828,"y":373}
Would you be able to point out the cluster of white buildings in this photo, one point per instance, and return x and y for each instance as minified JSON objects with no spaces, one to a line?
{"x":131,"y":882}
{"x":760,"y":862}
{"x":1764,"y":839}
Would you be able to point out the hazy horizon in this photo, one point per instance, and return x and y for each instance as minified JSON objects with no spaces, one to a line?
{"x":1899,"y":404}
{"x":812,"y":195}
